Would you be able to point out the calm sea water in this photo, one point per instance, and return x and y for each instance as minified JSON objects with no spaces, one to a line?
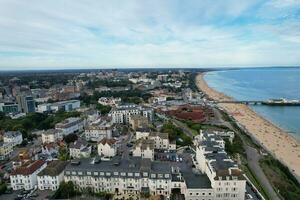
{"x":263,"y":84}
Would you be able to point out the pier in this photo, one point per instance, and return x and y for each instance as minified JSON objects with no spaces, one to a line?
{"x":260,"y":102}
{"x":242,"y":102}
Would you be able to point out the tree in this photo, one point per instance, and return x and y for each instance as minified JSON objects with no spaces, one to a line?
{"x":70,"y":138}
{"x":65,"y":191}
{"x":63,"y":154}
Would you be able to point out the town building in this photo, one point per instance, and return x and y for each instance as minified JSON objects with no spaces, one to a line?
{"x":26,"y":103}
{"x":9,"y":108}
{"x":70,"y":125}
{"x":98,"y":130}
{"x":161,"y":140}
{"x":61,"y":105}
{"x":107,"y":147}
{"x":144,"y":148}
{"x":109,"y":101}
{"x":25,"y":176}
{"x":51,"y":177}
{"x":6,"y":150}
{"x":52,"y":135}
{"x":80,"y":149}
{"x":137,"y":121}
{"x":14,"y":137}
{"x":121,"y":114}
{"x":226,"y":178}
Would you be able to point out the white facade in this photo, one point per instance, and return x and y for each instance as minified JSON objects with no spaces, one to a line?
{"x":51,"y":177}
{"x":6,"y":150}
{"x":25,"y":177}
{"x":98,"y":131}
{"x":70,"y":125}
{"x":121,"y":114}
{"x":62,"y":105}
{"x":107,"y":148}
{"x":51,"y":135}
{"x":144,"y":149}
{"x":14,"y":137}
{"x":80,"y":149}
{"x":226,"y":178}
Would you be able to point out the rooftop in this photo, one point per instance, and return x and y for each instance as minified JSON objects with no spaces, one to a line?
{"x":54,"y":168}
{"x":28,"y":167}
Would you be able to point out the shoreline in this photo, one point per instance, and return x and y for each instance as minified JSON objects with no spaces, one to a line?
{"x":282,"y":145}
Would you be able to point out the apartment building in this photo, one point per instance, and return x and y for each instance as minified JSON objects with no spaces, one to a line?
{"x":121,"y":175}
{"x":161,"y":140}
{"x":144,"y":148}
{"x":80,"y":149}
{"x":61,"y":105}
{"x":6,"y":150}
{"x":121,"y":114}
{"x":107,"y":147}
{"x":52,"y":135}
{"x":98,"y":130}
{"x":51,"y":177}
{"x":137,"y":121}
{"x":25,"y":176}
{"x":14,"y":137}
{"x":70,"y":125}
{"x":227,"y":180}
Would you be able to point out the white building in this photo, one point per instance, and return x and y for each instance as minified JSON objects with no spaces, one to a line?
{"x":62,"y":105}
{"x":109,"y":101}
{"x":80,"y":149}
{"x":70,"y":125}
{"x":107,"y":147}
{"x":98,"y":130}
{"x":14,"y":137}
{"x":6,"y":150}
{"x":226,"y":178}
{"x":52,"y":135}
{"x":161,"y":140}
{"x":51,"y":177}
{"x":25,"y":177}
{"x":144,"y":148}
{"x":122,"y":113}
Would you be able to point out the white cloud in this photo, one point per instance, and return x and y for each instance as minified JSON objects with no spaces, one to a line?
{"x":146,"y":33}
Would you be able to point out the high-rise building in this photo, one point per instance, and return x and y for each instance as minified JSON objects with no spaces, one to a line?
{"x":26,"y":103}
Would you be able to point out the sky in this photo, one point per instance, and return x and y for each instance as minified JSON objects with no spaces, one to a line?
{"x":61,"y":34}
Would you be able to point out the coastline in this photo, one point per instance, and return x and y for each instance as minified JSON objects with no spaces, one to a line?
{"x":278,"y":142}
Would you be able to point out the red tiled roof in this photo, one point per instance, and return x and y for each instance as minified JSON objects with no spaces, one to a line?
{"x":29,"y":167}
{"x":108,"y":141}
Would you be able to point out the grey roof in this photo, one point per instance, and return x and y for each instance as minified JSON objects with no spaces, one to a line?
{"x":133,"y":165}
{"x":78,"y":143}
{"x":159,"y":134}
{"x":194,"y":181}
{"x":12,"y":134}
{"x":54,"y":168}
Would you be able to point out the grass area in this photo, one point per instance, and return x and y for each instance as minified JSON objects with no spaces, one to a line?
{"x":177,"y":134}
{"x":255,"y":181}
{"x":198,"y":126}
{"x":281,"y":178}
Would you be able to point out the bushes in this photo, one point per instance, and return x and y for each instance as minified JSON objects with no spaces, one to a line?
{"x":177,"y":134}
{"x":281,"y":178}
{"x":65,"y":191}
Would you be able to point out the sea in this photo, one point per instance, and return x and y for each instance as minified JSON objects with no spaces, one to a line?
{"x":263,"y":84}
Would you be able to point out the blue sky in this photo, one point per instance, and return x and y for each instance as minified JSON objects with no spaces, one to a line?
{"x":37,"y":34}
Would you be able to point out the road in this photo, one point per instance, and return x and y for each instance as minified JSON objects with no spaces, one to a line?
{"x":253,"y":158}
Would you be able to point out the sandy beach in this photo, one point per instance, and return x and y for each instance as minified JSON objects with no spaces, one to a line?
{"x":282,"y":145}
